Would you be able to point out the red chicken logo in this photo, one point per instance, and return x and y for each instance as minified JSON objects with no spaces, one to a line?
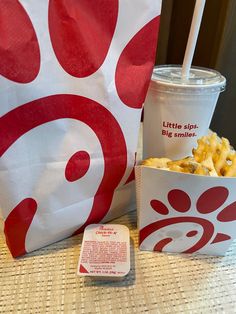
{"x":203,"y":230}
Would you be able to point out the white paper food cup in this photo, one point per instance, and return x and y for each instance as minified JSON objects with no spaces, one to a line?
{"x":186,"y":213}
{"x":177,"y":112}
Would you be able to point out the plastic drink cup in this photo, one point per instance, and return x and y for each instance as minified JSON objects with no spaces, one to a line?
{"x":177,"y":112}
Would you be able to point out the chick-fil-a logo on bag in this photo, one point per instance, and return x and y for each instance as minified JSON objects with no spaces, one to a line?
{"x":80,"y":34}
{"x":202,"y":230}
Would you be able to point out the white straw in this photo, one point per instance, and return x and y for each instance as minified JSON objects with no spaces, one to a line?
{"x":192,"y":39}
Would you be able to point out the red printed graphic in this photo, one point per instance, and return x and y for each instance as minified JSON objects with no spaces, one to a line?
{"x":207,"y":227}
{"x":212,"y":199}
{"x":220,"y":237}
{"x":77,"y":166}
{"x":161,"y":244}
{"x":218,"y":196}
{"x":135,"y":65}
{"x":173,"y":129}
{"x":179,"y":200}
{"x":191,"y":233}
{"x":82,"y":269}
{"x":104,"y":252}
{"x":228,"y":213}
{"x":102,"y":122}
{"x":81,"y":33}
{"x":17,"y":225}
{"x":159,"y":207}
{"x":19,"y":49}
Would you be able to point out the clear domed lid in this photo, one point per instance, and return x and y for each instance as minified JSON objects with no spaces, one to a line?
{"x":200,"y":79}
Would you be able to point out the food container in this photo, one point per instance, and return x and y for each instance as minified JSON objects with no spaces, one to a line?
{"x":179,"y":212}
{"x":105,"y":252}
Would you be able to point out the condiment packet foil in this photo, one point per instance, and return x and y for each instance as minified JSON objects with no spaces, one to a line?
{"x":105,"y":252}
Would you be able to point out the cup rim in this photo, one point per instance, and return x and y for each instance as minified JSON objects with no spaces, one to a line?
{"x":177,"y":86}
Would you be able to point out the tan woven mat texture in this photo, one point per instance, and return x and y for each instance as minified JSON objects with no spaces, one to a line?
{"x":46,"y":282}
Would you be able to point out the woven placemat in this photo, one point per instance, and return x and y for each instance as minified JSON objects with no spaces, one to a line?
{"x":45,"y":281}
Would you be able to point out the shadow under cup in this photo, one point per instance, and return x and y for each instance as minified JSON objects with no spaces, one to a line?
{"x":178,"y":112}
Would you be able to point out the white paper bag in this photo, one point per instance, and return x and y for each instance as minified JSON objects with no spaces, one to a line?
{"x":73,"y":79}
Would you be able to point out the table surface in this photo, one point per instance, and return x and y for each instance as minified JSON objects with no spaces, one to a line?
{"x":45,"y":281}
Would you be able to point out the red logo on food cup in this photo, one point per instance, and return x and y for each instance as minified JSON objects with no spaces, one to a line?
{"x":176,"y":211}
